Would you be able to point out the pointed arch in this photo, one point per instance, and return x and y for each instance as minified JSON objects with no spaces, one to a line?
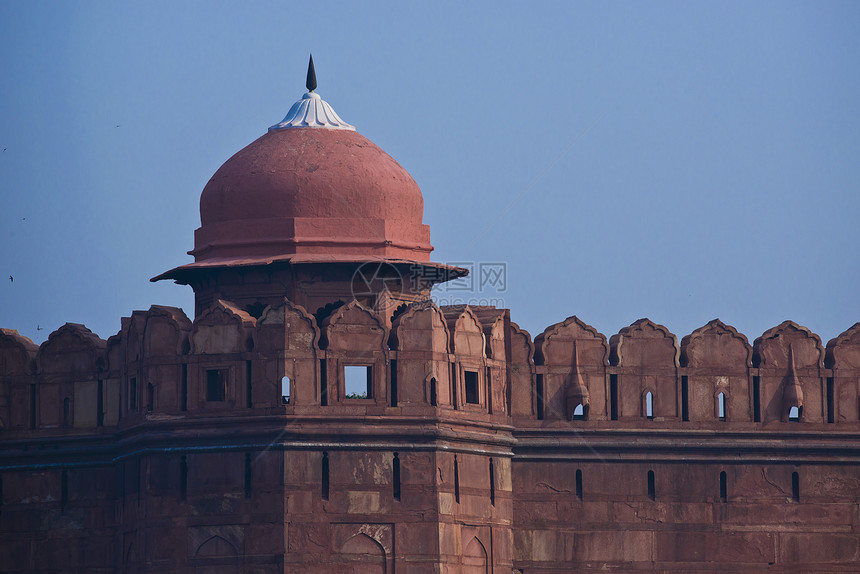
{"x":475,"y":557}
{"x":216,"y":546}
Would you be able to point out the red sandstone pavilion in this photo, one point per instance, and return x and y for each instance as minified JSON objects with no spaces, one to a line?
{"x":321,"y":415}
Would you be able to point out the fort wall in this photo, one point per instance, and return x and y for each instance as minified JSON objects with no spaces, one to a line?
{"x":235,"y":443}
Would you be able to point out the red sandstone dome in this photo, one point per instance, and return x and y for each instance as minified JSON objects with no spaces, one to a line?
{"x":310,"y":191}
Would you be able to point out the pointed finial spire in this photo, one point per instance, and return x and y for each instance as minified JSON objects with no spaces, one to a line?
{"x":311,"y":82}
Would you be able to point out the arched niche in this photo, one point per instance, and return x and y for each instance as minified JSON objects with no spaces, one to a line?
{"x":223,"y":328}
{"x":717,"y":360}
{"x":843,"y":388}
{"x":289,"y":336}
{"x":647,"y":355}
{"x":574,"y":356}
{"x":790,"y":359}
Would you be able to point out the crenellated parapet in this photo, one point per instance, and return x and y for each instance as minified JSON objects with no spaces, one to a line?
{"x":842,"y":389}
{"x":461,"y":360}
{"x":420,"y":337}
{"x":790,"y":380}
{"x":570,"y":383}
{"x":17,"y":365}
{"x":716,"y":386}
{"x":647,"y":359}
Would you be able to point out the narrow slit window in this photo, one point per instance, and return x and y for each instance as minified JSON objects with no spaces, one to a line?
{"x":433,"y":391}
{"x":613,"y":397}
{"x":150,"y":397}
{"x":649,"y":405}
{"x":393,"y":366}
{"x":685,"y":411}
{"x":579,"y":484}
{"x":285,"y":390}
{"x":183,"y":478}
{"x":216,"y":385}
{"x":795,"y":487}
{"x":249,"y":394}
{"x":756,"y":401}
{"x":489,"y":379}
{"x":67,"y":411}
{"x":723,"y":487}
{"x":357,"y":381}
{"x":323,"y":383}
{"x":64,"y":489}
{"x":247,"y":475}
{"x":539,"y":396}
{"x":721,"y":406}
{"x":132,"y":394}
{"x":324,"y":484}
{"x":652,"y":487}
{"x":470,"y":380}
{"x":396,"y":476}
{"x":492,"y":484}
{"x":456,"y":480}
{"x":183,"y":399}
{"x":454,"y":385}
{"x":100,"y":404}
{"x":831,"y":413}
{"x":32,"y":406}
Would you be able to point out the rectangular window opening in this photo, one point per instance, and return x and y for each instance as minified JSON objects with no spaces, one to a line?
{"x":433,"y":391}
{"x":470,"y":381}
{"x":723,"y":487}
{"x":539,"y":396}
{"x":358,"y":381}
{"x":831,"y":414}
{"x":216,"y":385}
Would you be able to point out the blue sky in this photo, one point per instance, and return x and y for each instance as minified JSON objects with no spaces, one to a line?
{"x":673,"y":160}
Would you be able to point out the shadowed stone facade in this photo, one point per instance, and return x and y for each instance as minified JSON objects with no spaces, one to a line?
{"x":239,"y":442}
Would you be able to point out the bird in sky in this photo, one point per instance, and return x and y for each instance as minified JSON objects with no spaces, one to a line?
{"x":11,"y":279}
